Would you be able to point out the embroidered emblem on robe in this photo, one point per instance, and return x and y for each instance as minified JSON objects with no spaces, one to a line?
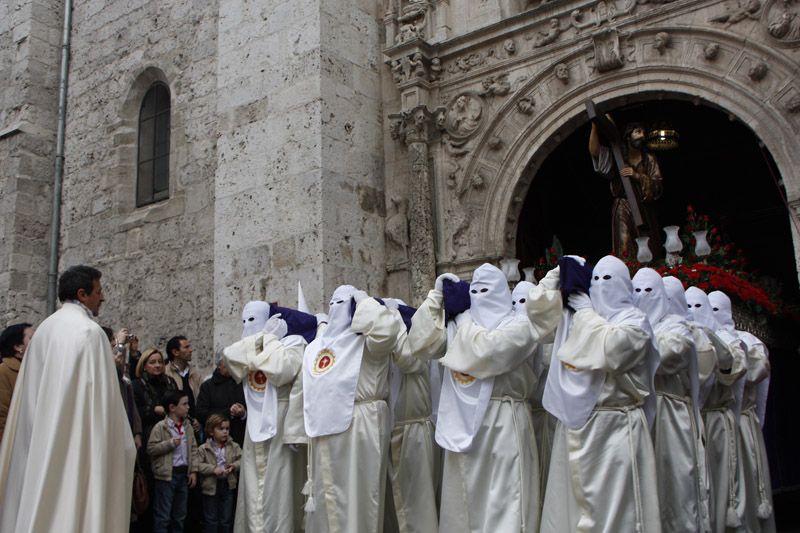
{"x":462,"y":378}
{"x":258,"y":380}
{"x":324,"y":362}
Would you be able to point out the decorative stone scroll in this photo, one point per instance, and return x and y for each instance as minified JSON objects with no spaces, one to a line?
{"x":607,"y":52}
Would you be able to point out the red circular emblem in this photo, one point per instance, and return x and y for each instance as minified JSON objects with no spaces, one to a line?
{"x":462,"y":378}
{"x":324,"y":362}
{"x":258,"y":380}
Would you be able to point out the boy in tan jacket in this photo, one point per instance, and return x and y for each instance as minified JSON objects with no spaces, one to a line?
{"x":173,"y":455}
{"x":220,"y":460}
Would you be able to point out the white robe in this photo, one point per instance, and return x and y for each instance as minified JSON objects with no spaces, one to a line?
{"x":271,"y":474}
{"x":348,"y":470}
{"x":603,"y":476}
{"x":66,"y":461}
{"x":494,"y":486}
{"x":415,"y":456}
{"x":544,"y":424}
{"x":759,"y":515}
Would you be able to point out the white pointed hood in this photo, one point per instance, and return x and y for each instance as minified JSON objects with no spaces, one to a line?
{"x":339,"y":318}
{"x":700,"y":308}
{"x":254,"y":316}
{"x":611,"y":289}
{"x":490,"y":299}
{"x":649,"y":294}
{"x":676,"y":296}
{"x":520,"y":295}
{"x":722,"y":309}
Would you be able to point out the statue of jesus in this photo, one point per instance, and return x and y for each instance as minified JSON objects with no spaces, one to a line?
{"x":643,"y":170}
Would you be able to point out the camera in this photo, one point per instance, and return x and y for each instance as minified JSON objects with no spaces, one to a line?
{"x":130,"y":337}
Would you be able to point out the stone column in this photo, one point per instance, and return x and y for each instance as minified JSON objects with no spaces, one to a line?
{"x":419,"y":128}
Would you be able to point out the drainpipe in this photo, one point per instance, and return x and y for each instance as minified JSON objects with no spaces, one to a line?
{"x":55,"y":224}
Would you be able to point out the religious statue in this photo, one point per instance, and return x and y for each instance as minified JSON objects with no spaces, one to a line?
{"x":641,"y":168}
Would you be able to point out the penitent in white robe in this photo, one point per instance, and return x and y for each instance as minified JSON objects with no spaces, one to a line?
{"x":722,"y":440}
{"x":271,"y":474}
{"x":675,"y":430}
{"x":66,"y":461}
{"x":759,"y":515}
{"x":493,"y":486}
{"x":544,"y":424}
{"x":603,"y":475}
{"x":348,"y":469}
{"x":415,"y":456}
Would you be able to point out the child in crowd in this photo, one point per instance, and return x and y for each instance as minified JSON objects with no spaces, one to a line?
{"x":220,"y":459}
{"x":173,"y":454}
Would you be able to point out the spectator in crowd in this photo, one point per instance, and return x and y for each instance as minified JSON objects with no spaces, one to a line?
{"x":220,"y":460}
{"x":127,"y":345}
{"x":173,"y":454}
{"x":126,"y":389}
{"x":220,"y":394}
{"x":148,"y":389}
{"x":13,"y":341}
{"x":179,"y":353}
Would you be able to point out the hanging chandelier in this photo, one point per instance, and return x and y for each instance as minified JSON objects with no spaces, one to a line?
{"x":662,"y":137}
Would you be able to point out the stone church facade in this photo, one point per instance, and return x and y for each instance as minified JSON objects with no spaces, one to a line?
{"x":367,"y":142}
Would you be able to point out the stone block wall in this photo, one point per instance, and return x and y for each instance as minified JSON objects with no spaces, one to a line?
{"x":157,"y":260}
{"x":30,"y":55}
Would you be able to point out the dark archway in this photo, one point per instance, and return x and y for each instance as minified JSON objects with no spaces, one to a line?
{"x":720,"y":169}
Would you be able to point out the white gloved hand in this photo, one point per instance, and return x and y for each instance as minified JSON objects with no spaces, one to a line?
{"x":391,"y":304}
{"x":439,"y":284}
{"x":579,"y":300}
{"x":552,"y":280}
{"x":581,"y":261}
{"x":322,"y":318}
{"x":359,"y":295}
{"x":276,"y":326}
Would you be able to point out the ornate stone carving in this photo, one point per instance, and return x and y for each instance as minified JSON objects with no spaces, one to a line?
{"x":495,"y":143}
{"x":496,"y":86}
{"x":600,"y":13}
{"x":397,"y":230}
{"x":711,"y":51}
{"x":793,"y":105}
{"x":464,"y":115}
{"x":509,"y":47}
{"x":466,"y":63}
{"x":662,"y":42}
{"x":417,"y":66}
{"x":526,"y":105}
{"x":397,"y":129}
{"x":782,"y":21}
{"x":412,"y":19}
{"x":757,"y":71}
{"x":454,"y":147}
{"x":745,"y":9}
{"x":436,"y":69}
{"x":562,"y":72}
{"x":607,"y":54}
{"x":546,"y":37}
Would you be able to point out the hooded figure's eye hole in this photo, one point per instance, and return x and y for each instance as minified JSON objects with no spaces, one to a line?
{"x":596,"y":278}
{"x":689,"y":306}
{"x":474,"y":291}
{"x":638,"y":289}
{"x":251,"y":319}
{"x":340,"y":302}
{"x":607,"y":276}
{"x":648,"y":289}
{"x":522,"y":300}
{"x":484,"y":290}
{"x":698,"y":305}
{"x":513,"y":302}
{"x":715,"y":309}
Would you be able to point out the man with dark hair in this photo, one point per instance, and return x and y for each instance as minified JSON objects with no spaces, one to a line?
{"x":645,"y":175}
{"x":67,"y":455}
{"x":179,"y":353}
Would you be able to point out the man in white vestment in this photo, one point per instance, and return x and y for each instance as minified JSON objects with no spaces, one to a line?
{"x":345,"y":386}
{"x":67,"y":456}
{"x":267,"y":362}
{"x":758,"y":515}
{"x":414,"y":455}
{"x":491,"y":468}
{"x":720,"y":416}
{"x":602,"y":470}
{"x":675,"y":426}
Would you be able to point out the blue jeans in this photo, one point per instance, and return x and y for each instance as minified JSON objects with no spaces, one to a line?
{"x":169,"y":503}
{"x":217,"y":509}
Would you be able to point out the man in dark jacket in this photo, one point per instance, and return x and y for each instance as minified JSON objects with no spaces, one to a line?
{"x":222,"y":395}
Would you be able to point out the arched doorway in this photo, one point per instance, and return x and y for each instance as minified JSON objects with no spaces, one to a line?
{"x":719,"y":168}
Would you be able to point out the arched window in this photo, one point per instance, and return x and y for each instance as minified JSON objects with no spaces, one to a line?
{"x":152,"y":175}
